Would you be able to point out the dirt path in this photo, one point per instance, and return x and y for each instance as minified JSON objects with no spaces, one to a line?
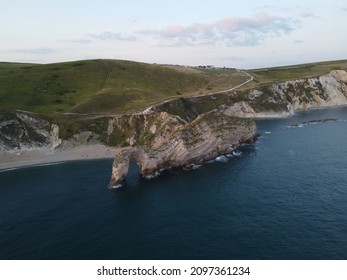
{"x":158,"y":103}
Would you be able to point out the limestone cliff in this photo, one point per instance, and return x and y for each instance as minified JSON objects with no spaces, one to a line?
{"x":24,"y":131}
{"x":272,"y":100}
{"x":284,"y":98}
{"x":165,"y":141}
{"x":21,"y":130}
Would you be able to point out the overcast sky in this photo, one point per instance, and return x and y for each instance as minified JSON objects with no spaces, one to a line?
{"x":242,"y":34}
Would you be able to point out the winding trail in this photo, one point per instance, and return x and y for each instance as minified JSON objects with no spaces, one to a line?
{"x":251,"y":78}
{"x":108,"y":73}
{"x":158,"y":103}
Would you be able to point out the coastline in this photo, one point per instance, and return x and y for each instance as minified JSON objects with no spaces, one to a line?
{"x":10,"y":160}
{"x":27,"y":158}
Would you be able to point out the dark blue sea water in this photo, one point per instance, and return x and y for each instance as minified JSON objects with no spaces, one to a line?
{"x":283,"y":198}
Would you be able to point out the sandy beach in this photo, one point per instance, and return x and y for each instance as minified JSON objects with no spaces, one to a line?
{"x":16,"y":159}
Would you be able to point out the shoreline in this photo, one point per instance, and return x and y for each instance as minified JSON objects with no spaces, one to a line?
{"x":10,"y":160}
{"x":38,"y":157}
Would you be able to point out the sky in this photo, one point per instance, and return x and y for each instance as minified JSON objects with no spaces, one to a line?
{"x":242,"y":34}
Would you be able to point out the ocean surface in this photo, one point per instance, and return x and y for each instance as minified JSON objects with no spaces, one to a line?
{"x":283,"y":198}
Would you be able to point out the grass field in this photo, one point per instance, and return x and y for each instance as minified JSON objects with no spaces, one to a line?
{"x":94,"y":86}
{"x":278,"y":74}
{"x":117,"y":87}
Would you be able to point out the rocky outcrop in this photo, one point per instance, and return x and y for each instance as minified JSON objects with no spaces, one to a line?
{"x":25,"y":131}
{"x":284,"y":98}
{"x":54,"y":140}
{"x":312,"y":122}
{"x":21,"y":130}
{"x":172,"y":142}
{"x":280,"y":99}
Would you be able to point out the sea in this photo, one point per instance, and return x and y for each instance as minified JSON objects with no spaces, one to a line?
{"x":283,"y":198}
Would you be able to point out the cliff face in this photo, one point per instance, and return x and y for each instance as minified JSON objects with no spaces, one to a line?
{"x":273,"y":100}
{"x":283,"y":99}
{"x":165,"y":141}
{"x":23,"y":131}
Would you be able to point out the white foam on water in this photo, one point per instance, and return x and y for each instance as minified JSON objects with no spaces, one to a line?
{"x":149,"y":177}
{"x":31,"y":165}
{"x":116,"y":187}
{"x":196,"y":166}
{"x":221,"y":159}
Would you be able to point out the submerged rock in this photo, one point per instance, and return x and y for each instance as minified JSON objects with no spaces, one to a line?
{"x":312,"y":122}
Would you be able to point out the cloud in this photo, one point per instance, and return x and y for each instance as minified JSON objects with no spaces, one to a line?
{"x":308,"y":15}
{"x":111,"y":36}
{"x":231,"y":31}
{"x":298,"y":41}
{"x":34,"y":51}
{"x":79,"y":41}
{"x":233,"y":58}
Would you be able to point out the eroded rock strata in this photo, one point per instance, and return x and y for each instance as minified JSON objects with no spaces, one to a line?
{"x":173,"y":142}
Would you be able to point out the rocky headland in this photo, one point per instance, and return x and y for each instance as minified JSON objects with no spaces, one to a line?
{"x":165,"y":141}
{"x":181,"y":132}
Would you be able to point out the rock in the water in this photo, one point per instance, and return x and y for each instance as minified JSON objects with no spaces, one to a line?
{"x":312,"y":122}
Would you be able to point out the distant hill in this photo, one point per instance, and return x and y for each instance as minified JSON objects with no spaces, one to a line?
{"x":117,"y":86}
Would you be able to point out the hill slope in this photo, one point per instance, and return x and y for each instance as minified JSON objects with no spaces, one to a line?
{"x":118,"y":87}
{"x":99,"y":86}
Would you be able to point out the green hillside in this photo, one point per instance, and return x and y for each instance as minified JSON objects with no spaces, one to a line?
{"x":117,"y":86}
{"x":301,"y":71}
{"x":94,"y":86}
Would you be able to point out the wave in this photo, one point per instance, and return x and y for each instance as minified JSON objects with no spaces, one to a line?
{"x":31,"y":165}
{"x":115,"y":187}
{"x":221,"y":159}
{"x":155,"y":175}
{"x":9,"y":169}
{"x":196,"y":166}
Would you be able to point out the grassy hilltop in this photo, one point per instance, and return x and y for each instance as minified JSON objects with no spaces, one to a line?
{"x":95,"y":86}
{"x":302,"y":71}
{"x":116,"y":86}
